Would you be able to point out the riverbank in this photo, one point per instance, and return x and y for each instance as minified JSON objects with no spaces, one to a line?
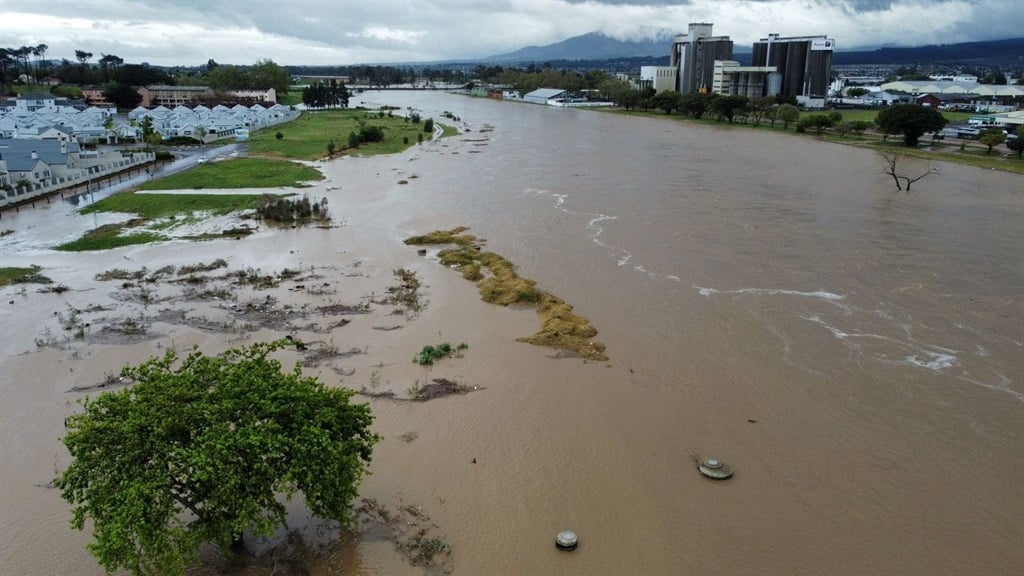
{"x":967,"y":152}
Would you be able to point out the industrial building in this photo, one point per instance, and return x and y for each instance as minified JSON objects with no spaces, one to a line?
{"x":804,"y":64}
{"x":693,"y":57}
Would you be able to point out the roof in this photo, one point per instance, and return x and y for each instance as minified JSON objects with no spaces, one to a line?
{"x":953,"y":87}
{"x":37,"y":96}
{"x":545,"y":93}
{"x":179,"y":88}
{"x":17,"y":152}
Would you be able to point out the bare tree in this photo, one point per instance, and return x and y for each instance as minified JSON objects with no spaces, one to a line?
{"x":902,"y":180}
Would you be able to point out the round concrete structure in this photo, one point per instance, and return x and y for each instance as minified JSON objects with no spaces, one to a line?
{"x":566,"y":540}
{"x":715,"y":469}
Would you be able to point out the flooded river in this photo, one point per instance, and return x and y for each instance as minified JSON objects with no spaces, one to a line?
{"x":856,"y":354}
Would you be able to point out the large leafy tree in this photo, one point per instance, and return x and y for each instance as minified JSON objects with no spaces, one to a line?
{"x":1017,"y":145}
{"x":910,"y":120}
{"x":202,"y":450}
{"x":266,"y":74}
{"x":728,"y":106}
{"x":667,"y":101}
{"x":121,"y":95}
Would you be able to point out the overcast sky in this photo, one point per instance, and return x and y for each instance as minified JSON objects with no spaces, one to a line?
{"x":190,"y":32}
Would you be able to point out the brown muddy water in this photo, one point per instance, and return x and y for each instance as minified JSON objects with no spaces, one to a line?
{"x":856,"y":354}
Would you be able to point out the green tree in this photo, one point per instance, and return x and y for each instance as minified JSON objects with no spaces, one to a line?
{"x":728,"y":106}
{"x":149,"y":135}
{"x":788,"y":113}
{"x":860,"y":126}
{"x":857,"y":91}
{"x":760,"y":107}
{"x":667,"y":101}
{"x":227,"y":77}
{"x":695,"y":103}
{"x":818,"y":122}
{"x":992,"y":137}
{"x":911,"y":120}
{"x":202,"y":450}
{"x":265,"y":74}
{"x":1017,"y":145}
{"x":121,"y":95}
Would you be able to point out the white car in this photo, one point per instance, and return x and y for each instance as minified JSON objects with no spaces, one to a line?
{"x":202,"y":159}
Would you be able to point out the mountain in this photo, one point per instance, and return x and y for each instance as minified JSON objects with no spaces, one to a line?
{"x":592,"y":46}
{"x":1002,"y":53}
{"x":597,"y":46}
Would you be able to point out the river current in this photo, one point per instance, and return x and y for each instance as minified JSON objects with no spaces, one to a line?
{"x":854,"y":352}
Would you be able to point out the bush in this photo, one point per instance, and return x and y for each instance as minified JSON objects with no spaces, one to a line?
{"x":371,"y":134}
{"x":428,"y":126}
{"x":279,"y":135}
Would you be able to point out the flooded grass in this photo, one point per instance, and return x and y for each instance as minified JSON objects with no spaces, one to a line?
{"x":498,"y":282}
{"x":153,"y":206}
{"x":31,"y":275}
{"x":108,"y":237}
{"x":238,"y":173}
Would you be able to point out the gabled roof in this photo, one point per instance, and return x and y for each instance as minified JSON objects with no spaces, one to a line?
{"x":37,"y":96}
{"x":545,"y":93}
{"x":18,"y":153}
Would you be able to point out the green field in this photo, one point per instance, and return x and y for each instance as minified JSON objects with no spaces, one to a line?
{"x":308,"y":137}
{"x":238,"y":173}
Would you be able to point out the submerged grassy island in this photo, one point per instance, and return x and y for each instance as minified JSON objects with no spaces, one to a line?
{"x":498,"y":283}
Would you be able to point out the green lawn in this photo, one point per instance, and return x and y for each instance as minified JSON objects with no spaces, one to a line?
{"x":307,"y":137}
{"x":238,"y":173}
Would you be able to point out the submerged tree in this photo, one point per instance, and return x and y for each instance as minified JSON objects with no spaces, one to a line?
{"x":201,"y":451}
{"x":902,"y":180}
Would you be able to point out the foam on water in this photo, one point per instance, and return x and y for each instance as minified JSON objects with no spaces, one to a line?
{"x":933,"y":360}
{"x":595,"y":230}
{"x":822,"y":294}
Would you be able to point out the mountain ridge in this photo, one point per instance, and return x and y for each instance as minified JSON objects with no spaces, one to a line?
{"x":598,"y":46}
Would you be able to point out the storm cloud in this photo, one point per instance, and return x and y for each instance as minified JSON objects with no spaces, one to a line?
{"x":389,"y":31}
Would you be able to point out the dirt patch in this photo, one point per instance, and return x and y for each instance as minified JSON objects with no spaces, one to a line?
{"x":436,"y":388}
{"x":411,"y":531}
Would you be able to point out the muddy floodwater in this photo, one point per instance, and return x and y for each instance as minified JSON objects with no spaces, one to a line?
{"x":854,"y":353}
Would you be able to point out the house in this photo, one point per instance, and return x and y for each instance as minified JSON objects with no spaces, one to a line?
{"x":173,"y":95}
{"x":544,"y":95}
{"x":37,"y":161}
{"x":59,"y":133}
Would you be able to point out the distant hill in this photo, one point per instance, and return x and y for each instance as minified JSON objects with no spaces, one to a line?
{"x":592,"y":46}
{"x":1007,"y":54}
{"x":1003,"y":53}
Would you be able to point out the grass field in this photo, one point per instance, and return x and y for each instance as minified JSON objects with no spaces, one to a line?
{"x":308,"y":137}
{"x":238,"y":173}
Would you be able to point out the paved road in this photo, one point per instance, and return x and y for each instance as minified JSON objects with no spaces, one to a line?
{"x":186,"y":158}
